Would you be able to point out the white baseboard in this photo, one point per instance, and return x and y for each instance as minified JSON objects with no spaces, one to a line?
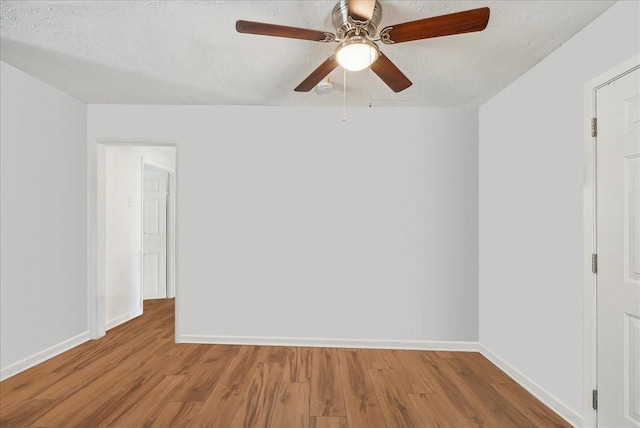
{"x":331,"y":343}
{"x":44,"y":355}
{"x":536,"y":390}
{"x":123,"y":319}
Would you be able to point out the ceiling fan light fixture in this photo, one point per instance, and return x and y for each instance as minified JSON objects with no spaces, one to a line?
{"x":357,"y":53}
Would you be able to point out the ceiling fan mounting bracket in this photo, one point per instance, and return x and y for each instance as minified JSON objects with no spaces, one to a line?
{"x":328,"y":38}
{"x":385,"y":37}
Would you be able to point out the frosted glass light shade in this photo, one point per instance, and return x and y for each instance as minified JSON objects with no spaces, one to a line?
{"x":357,"y":53}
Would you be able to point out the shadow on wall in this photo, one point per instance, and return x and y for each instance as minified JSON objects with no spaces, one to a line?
{"x":76,"y":76}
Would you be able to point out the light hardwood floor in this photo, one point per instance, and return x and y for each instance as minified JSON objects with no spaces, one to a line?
{"x":137,"y":376}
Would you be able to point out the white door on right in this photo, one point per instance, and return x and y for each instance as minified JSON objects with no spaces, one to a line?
{"x":618,"y":247}
{"x":154,"y":227}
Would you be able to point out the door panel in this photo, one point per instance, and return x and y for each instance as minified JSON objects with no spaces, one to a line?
{"x":632,"y":368}
{"x":151,"y":217}
{"x":632,"y":219}
{"x":151,"y":274}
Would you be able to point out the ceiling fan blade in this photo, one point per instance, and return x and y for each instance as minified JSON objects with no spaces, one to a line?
{"x":390,"y":74}
{"x":437,"y":26}
{"x":317,"y":75}
{"x":361,"y":10}
{"x":261,"y":28}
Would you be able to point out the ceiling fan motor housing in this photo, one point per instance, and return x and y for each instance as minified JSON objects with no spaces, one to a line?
{"x":346,"y":26}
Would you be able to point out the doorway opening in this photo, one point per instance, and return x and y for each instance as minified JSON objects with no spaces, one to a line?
{"x":119,"y":262}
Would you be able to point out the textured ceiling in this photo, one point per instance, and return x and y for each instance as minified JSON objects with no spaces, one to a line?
{"x":188,"y":52}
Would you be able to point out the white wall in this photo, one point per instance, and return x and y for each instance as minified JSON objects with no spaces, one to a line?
{"x":43,"y":214}
{"x":123,"y":227}
{"x":531,"y":236}
{"x":292,"y":223}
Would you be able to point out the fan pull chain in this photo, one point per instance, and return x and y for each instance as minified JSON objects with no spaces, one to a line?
{"x":344,"y":94}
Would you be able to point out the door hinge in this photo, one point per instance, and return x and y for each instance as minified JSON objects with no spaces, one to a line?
{"x":594,"y":263}
{"x":594,"y":127}
{"x":594,"y":399}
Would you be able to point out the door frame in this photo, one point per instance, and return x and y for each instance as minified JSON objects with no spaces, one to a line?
{"x":589,"y":223}
{"x":171,"y":228}
{"x":96,"y":231}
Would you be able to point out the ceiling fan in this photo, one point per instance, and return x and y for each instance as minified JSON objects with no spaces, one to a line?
{"x":356,"y":24}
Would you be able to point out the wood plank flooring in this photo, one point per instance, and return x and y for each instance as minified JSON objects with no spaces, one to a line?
{"x":138,"y":377}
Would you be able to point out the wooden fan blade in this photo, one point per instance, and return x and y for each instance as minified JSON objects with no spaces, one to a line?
{"x":361,"y":10}
{"x":261,"y":28}
{"x":318,"y":74}
{"x":390,"y":74}
{"x":444,"y":25}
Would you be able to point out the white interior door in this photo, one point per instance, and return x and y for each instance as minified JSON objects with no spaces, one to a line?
{"x":154,"y":226}
{"x":618,"y":247}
